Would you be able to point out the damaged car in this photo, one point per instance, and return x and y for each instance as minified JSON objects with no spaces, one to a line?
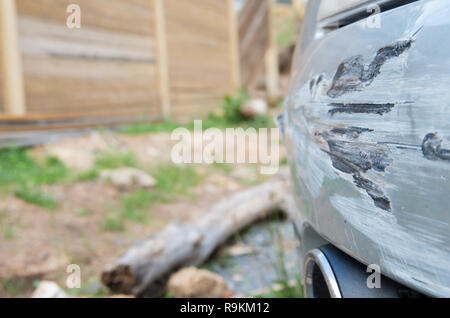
{"x":366,"y":123}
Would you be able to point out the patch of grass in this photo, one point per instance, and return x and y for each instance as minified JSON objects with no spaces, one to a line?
{"x":11,"y":287}
{"x":23,"y":176}
{"x":176,"y":179}
{"x":169,"y":295}
{"x":170,"y":180}
{"x":34,"y":195}
{"x":231,"y":114}
{"x":110,"y":160}
{"x":146,"y":128}
{"x":8,"y":233}
{"x":92,"y":288}
{"x":89,"y":175}
{"x":19,"y":168}
{"x":223,"y":167}
{"x":230,"y":118}
{"x":287,"y":290}
{"x":232,"y":105}
{"x":113,"y":222}
{"x":82,"y":212}
{"x":6,"y":227}
{"x":135,"y":206}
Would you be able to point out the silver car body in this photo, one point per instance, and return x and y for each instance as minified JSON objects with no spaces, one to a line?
{"x":367,"y":127}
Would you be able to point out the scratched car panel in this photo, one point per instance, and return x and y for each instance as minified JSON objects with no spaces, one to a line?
{"x":367,"y":128}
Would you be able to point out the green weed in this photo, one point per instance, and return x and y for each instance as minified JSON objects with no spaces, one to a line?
{"x":230,"y":118}
{"x":223,"y":167}
{"x":146,"y":128}
{"x":34,"y":195}
{"x":23,"y":176}
{"x":19,"y":168}
{"x":171,"y":180}
{"x":82,"y":212}
{"x":110,"y":160}
{"x":11,"y":287}
{"x":113,"y":223}
{"x":176,"y":179}
{"x":6,"y":227}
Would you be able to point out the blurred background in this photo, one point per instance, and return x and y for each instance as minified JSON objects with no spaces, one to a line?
{"x":90,"y":94}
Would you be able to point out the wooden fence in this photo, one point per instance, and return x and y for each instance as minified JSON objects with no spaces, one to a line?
{"x":130,"y":60}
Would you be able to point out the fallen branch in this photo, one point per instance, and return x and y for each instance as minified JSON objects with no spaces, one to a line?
{"x":145,"y":267}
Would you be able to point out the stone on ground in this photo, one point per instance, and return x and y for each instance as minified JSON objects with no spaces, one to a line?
{"x":48,"y":289}
{"x":128,"y":177}
{"x":254,"y":107}
{"x":192,"y":282}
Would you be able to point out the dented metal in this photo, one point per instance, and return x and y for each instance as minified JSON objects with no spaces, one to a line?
{"x":367,"y":127}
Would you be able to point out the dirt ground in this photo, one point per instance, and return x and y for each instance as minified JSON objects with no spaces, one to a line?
{"x":42,"y":243}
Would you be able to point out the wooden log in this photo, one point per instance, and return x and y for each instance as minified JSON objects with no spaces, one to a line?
{"x":144,"y":269}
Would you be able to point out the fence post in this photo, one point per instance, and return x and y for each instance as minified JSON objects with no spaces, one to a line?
{"x":12,"y":76}
{"x":271,"y":57}
{"x":162,"y":64}
{"x":235,"y":59}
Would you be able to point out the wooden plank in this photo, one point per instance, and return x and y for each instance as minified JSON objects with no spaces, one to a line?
{"x":76,"y":123}
{"x":271,"y":57}
{"x":253,"y":39}
{"x":42,"y":37}
{"x":106,"y":67}
{"x":8,"y":119}
{"x":13,"y":87}
{"x":198,"y":39}
{"x":162,"y":58}
{"x":233,"y":31}
{"x":58,"y":85}
{"x":117,"y":16}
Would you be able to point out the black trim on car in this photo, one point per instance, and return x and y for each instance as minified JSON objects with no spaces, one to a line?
{"x":360,"y":12}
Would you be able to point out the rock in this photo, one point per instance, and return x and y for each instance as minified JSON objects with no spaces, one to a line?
{"x":47,"y":289}
{"x":79,"y":153}
{"x":127,"y":177}
{"x":254,"y":107}
{"x":192,"y":282}
{"x":239,"y":250}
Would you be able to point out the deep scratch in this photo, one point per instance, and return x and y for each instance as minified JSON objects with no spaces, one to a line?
{"x":353,"y":74}
{"x":366,"y":108}
{"x":354,"y":157}
{"x":374,"y":191}
{"x":432,"y":148}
